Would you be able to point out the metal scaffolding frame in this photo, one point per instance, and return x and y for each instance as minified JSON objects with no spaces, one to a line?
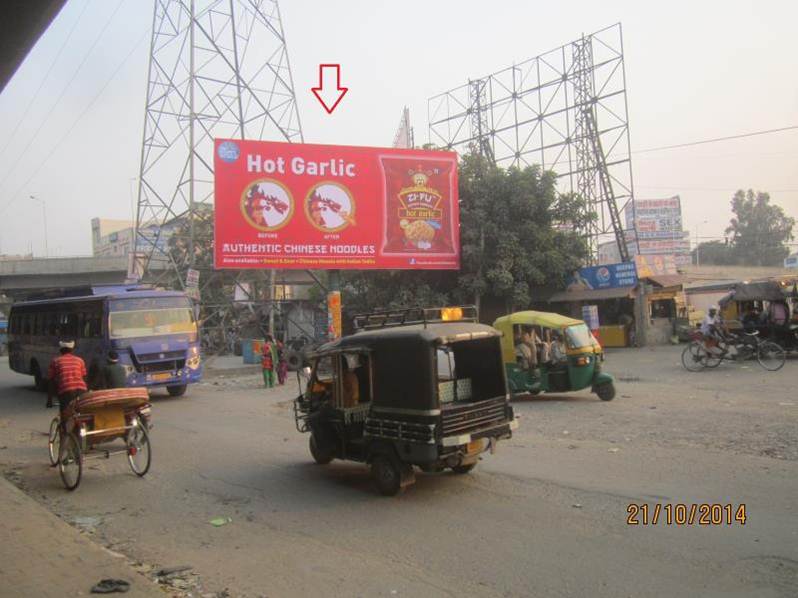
{"x":218,"y":69}
{"x":565,"y":110}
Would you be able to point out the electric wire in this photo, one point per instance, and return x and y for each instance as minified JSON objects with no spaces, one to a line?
{"x":715,"y":140}
{"x":66,"y":135}
{"x":61,"y":95}
{"x":32,"y":101}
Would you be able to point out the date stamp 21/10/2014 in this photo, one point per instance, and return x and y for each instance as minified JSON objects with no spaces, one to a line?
{"x":686,"y":514}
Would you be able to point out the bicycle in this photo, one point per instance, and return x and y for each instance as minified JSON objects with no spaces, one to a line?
{"x":698,"y":356}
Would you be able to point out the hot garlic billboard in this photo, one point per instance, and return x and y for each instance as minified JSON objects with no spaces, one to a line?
{"x":288,"y":205}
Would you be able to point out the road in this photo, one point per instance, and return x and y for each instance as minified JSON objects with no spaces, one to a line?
{"x":545,"y":516}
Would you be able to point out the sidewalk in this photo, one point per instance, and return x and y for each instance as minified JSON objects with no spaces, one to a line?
{"x":227,"y":366}
{"x":40,"y":555}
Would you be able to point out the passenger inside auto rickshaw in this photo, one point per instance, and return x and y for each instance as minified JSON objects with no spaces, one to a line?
{"x":526,"y":350}
{"x":355,"y":380}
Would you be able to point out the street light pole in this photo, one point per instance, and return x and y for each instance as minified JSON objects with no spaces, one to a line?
{"x":44,"y":218}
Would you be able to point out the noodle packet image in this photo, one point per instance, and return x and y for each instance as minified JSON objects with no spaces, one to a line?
{"x":418,"y":206}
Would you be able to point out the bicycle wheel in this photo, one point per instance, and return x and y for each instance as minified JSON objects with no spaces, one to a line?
{"x":692,"y":357}
{"x":53,"y":440}
{"x":139,"y":454}
{"x":70,"y":463}
{"x":771,"y":356}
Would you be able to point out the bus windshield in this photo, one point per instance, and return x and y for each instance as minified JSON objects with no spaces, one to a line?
{"x":158,"y":317}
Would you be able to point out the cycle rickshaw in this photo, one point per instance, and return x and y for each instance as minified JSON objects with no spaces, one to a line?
{"x":94,"y":422}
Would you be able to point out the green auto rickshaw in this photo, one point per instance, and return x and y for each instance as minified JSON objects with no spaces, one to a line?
{"x":546,"y":352}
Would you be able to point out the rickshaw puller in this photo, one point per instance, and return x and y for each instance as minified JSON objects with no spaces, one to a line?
{"x":67,"y":374}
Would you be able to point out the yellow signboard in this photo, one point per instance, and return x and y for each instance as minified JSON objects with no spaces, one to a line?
{"x":334,"y":314}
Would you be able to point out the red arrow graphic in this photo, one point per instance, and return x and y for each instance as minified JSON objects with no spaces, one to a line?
{"x":329,"y":96}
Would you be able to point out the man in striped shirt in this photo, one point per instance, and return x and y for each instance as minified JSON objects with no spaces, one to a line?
{"x":67,"y":376}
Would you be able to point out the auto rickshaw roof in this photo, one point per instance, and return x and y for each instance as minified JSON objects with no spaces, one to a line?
{"x":537,"y":318}
{"x":430,"y":334}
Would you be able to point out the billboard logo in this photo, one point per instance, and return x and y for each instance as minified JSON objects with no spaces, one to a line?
{"x":229,"y":151}
{"x":267,"y":205}
{"x":603,"y":275}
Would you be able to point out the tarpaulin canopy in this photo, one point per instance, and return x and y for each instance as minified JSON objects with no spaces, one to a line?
{"x":591,"y":295}
{"x":754,"y":291}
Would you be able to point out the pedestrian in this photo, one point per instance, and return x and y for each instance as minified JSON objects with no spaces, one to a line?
{"x":113,"y":373}
{"x":267,"y":364}
{"x":67,"y":375}
{"x":282,"y":364}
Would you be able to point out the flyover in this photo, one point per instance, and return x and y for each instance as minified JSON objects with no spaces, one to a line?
{"x":19,"y":278}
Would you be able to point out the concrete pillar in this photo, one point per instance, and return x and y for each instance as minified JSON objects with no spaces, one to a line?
{"x":641,"y":315}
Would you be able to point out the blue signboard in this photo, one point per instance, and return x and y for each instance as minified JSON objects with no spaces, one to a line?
{"x":609,"y":276}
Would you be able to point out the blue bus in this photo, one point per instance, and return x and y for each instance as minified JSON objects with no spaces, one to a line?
{"x":154,"y":332}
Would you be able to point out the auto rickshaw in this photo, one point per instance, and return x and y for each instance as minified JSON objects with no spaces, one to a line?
{"x":419,"y":388}
{"x":568,"y":356}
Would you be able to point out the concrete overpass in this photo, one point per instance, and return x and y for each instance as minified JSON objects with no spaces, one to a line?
{"x":22,"y":277}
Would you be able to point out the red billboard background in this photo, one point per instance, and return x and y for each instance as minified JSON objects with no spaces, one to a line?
{"x":304,"y":206}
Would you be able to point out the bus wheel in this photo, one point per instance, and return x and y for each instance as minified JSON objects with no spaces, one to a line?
{"x":176,"y":391}
{"x":38,"y":381}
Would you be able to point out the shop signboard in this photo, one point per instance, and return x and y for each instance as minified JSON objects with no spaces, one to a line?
{"x":655,"y":265}
{"x":303,"y":206}
{"x":608,"y":276}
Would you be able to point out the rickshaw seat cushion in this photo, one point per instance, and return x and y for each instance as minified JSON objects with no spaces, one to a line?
{"x":119,"y":398}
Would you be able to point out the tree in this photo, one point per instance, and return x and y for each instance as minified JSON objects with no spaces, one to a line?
{"x":718,"y":253}
{"x":509,"y":237}
{"x":759,"y":232}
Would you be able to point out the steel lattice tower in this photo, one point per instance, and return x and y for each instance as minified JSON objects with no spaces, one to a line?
{"x":564,"y":110}
{"x":218,"y":68}
{"x":480,"y":127}
{"x":593,"y":180}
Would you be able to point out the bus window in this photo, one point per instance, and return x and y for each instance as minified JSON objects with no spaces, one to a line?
{"x":67,"y":325}
{"x":91,"y":325}
{"x":26,"y":323}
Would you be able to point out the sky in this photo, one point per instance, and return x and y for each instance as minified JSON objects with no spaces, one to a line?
{"x":71,"y":119}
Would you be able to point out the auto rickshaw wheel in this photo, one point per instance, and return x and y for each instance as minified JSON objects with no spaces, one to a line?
{"x":320,"y":455}
{"x":606,"y":392}
{"x":461,"y":469}
{"x":387,"y":474}
{"x":70,"y":462}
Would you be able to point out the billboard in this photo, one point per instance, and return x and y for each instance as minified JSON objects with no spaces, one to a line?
{"x":658,"y":225}
{"x":304,"y":206}
{"x":609,"y":276}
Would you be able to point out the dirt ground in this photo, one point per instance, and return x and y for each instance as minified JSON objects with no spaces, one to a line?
{"x":545,"y":516}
